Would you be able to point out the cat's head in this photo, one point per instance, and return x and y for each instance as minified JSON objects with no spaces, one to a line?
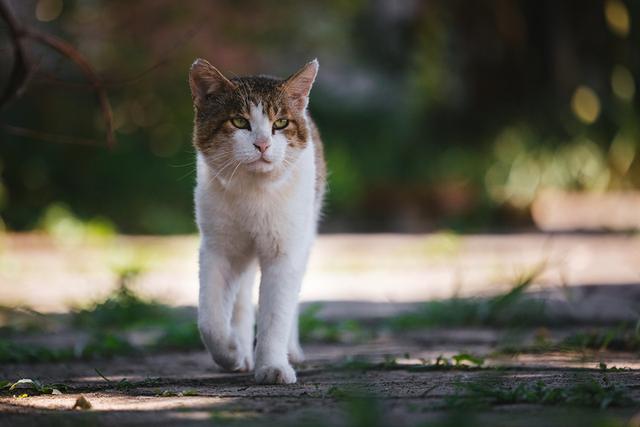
{"x":255,"y":124}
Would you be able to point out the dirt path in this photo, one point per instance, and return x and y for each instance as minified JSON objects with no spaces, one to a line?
{"x":401,"y":363}
{"x":186,"y":389}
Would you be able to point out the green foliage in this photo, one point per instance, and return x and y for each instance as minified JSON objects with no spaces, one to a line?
{"x":312,"y":328}
{"x":31,"y":387}
{"x":394,"y":96}
{"x":461,"y":361}
{"x":522,"y":165}
{"x":362,"y":409}
{"x":11,"y":352}
{"x":20,"y":321}
{"x":463,"y":358}
{"x":105,"y":321}
{"x":121,"y":310}
{"x":99,"y":345}
{"x":622,"y":338}
{"x":587,"y":393}
{"x":105,"y":345}
{"x":512,"y":308}
{"x":125,"y":385}
{"x":60,"y":222}
{"x":618,"y":339}
{"x":179,"y":336}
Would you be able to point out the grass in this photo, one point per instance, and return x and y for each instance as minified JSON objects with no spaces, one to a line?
{"x":11,"y":352}
{"x":108,"y":321}
{"x":314,"y":329}
{"x":509,"y":309}
{"x":623,"y":338}
{"x":100,"y":345}
{"x":20,"y":321}
{"x":589,"y":393}
{"x":27,"y":387}
{"x":123,"y":309}
{"x":179,"y":336}
{"x":105,"y":321}
{"x":125,"y":385}
{"x":461,"y":361}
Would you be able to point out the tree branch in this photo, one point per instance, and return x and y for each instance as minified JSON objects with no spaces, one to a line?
{"x":22,"y":70}
{"x":46,"y":136}
{"x":70,"y":52}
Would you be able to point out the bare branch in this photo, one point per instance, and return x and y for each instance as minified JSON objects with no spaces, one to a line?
{"x":45,"y":136}
{"x":114,"y":83}
{"x":70,"y":52}
{"x":20,"y":71}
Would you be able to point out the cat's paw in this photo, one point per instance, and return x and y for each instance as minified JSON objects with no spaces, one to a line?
{"x":246,"y":362}
{"x":296,"y":355}
{"x":232,"y":357}
{"x":275,"y":374}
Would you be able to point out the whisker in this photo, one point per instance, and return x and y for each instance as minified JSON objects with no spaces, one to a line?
{"x":190,"y":172}
{"x":225,"y":166}
{"x":232,"y":173}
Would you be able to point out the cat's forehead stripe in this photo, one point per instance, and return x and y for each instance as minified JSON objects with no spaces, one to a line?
{"x":260,"y":90}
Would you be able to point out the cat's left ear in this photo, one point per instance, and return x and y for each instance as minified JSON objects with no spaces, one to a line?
{"x":298,"y":86}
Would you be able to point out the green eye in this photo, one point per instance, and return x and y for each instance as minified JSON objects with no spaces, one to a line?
{"x":240,"y":123}
{"x":280,"y":124}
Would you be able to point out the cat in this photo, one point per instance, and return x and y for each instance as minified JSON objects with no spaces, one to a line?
{"x":258,"y":197}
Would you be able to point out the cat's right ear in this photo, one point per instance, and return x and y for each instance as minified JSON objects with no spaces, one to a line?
{"x":205,"y":80}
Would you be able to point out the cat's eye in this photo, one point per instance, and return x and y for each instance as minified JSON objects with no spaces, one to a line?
{"x":240,"y":123}
{"x":280,"y":124}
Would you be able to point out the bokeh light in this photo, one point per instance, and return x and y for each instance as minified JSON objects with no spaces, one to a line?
{"x":622,"y":83}
{"x":585,"y":104}
{"x":617,"y":16}
{"x":48,"y":10}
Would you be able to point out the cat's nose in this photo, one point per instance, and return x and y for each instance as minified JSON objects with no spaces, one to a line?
{"x":262,"y":145}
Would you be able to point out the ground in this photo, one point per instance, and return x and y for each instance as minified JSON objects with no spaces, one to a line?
{"x":556,"y":344}
{"x":329,"y":391}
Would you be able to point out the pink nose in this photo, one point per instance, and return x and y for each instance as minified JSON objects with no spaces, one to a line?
{"x":262,"y":146}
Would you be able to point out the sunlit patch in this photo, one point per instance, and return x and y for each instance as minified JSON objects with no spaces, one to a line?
{"x":622,"y":83}
{"x":585,"y":104}
{"x":617,"y":16}
{"x":48,"y":10}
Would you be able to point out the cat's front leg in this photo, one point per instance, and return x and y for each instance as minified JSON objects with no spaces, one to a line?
{"x":220,"y":281}
{"x":279,"y":288}
{"x":296,"y":355}
{"x":243,"y":318}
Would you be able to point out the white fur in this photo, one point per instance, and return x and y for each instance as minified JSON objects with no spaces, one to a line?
{"x":258,"y":214}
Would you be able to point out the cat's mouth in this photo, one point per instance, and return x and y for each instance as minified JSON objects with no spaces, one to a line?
{"x":260,"y":165}
{"x":260,"y":160}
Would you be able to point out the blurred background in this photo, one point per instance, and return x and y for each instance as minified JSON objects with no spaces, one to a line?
{"x":484,"y":187}
{"x":472,"y":117}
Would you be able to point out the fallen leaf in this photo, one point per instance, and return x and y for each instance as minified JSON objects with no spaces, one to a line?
{"x":82,"y":403}
{"x":24,"y":384}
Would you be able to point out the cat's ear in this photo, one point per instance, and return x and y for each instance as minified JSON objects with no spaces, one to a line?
{"x":205,"y":79}
{"x":298,"y":86}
